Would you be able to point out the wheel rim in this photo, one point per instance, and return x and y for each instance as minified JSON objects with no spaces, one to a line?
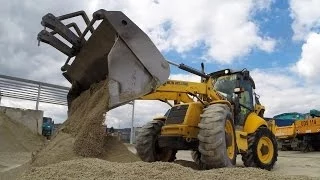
{"x":265,"y":150}
{"x":230,"y":139}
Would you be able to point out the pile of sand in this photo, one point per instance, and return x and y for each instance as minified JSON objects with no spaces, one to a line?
{"x":15,"y":137}
{"x":17,"y":142}
{"x":82,"y":133}
{"x":89,"y":168}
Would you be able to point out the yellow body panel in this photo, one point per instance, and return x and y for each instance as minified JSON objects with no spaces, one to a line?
{"x":306,"y":126}
{"x":189,"y":127}
{"x":285,"y":131}
{"x":241,"y":139}
{"x":180,"y":130}
{"x":272,"y":126}
{"x":192,"y":117}
{"x":166,"y":96}
{"x":253,"y":122}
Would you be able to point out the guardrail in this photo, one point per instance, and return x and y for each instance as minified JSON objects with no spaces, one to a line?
{"x":37,"y":91}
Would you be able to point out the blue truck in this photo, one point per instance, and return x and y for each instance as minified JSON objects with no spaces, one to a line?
{"x":47,"y":127}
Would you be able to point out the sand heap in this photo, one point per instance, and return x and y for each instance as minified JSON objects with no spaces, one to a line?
{"x":89,"y":168}
{"x":15,"y":137}
{"x":82,"y":133}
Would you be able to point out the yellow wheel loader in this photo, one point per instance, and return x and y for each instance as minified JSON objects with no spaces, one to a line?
{"x":216,"y":118}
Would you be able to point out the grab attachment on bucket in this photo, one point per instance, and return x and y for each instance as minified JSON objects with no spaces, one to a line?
{"x":117,"y":50}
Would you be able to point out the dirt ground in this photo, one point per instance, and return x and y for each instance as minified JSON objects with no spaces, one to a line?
{"x":289,"y":162}
{"x":298,"y":163}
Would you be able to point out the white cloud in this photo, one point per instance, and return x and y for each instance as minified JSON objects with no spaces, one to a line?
{"x":185,"y":77}
{"x":306,"y":17}
{"x":306,"y":24}
{"x":282,"y":91}
{"x":309,"y":64}
{"x":224,"y":27}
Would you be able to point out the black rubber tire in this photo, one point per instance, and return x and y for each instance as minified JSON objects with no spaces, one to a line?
{"x":250,"y":158}
{"x":212,"y":150}
{"x":196,"y":155}
{"x":147,"y":144}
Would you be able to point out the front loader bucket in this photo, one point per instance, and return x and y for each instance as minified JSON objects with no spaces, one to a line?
{"x":117,"y":50}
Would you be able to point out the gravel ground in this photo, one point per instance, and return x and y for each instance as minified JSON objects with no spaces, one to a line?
{"x":289,"y":162}
{"x":89,"y":168}
{"x":10,"y":160}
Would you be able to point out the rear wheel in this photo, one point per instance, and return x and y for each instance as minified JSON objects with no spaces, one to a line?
{"x":147,"y":144}
{"x":262,"y":149}
{"x":217,"y":143}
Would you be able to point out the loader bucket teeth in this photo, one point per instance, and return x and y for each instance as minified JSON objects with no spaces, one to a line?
{"x":55,"y":24}
{"x":45,"y":36}
{"x":117,"y":50}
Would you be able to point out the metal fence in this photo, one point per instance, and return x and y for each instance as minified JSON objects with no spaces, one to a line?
{"x":19,"y":88}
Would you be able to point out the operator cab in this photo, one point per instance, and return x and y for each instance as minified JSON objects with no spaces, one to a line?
{"x":238,"y":87}
{"x":47,"y":120}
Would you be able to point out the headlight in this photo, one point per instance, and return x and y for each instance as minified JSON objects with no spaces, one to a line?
{"x":226,"y":71}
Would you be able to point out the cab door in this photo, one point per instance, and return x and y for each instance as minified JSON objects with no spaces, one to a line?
{"x":245,"y":103}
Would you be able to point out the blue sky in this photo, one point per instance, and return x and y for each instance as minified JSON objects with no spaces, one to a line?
{"x":277,"y":40}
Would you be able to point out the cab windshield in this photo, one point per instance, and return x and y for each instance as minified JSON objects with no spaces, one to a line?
{"x":226,"y":84}
{"x":47,"y":120}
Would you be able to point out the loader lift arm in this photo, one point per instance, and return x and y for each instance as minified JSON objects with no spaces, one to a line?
{"x":183,"y":91}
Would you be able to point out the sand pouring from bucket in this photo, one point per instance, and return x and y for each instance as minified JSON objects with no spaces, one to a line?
{"x":117,"y":49}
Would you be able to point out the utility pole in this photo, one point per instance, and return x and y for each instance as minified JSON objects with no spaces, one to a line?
{"x":132,"y":123}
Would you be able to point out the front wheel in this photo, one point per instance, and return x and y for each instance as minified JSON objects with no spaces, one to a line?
{"x":147,"y":144}
{"x":217,"y":143}
{"x":262,"y":149}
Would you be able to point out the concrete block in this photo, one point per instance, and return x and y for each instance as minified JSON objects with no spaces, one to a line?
{"x":28,"y":117}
